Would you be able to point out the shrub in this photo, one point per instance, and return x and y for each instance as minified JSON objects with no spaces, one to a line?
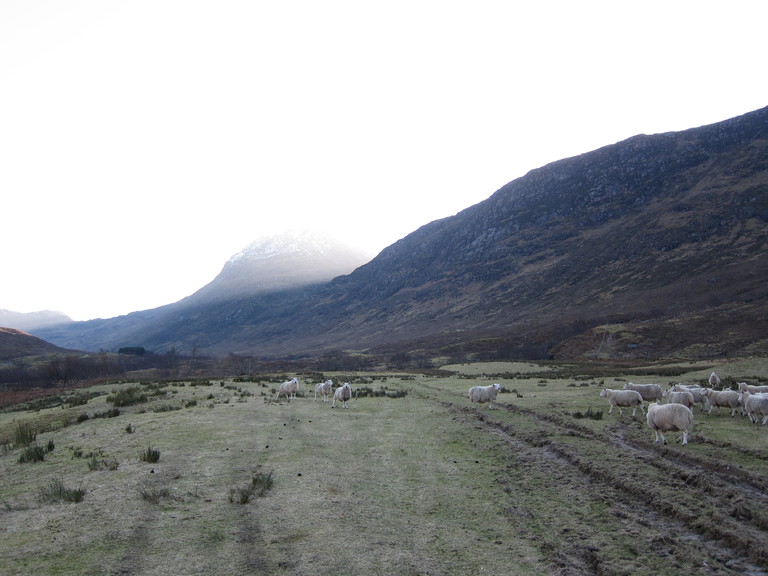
{"x":150,"y":455}
{"x":55,"y":491}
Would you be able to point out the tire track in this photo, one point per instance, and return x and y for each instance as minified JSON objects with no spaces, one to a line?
{"x":714,"y":510}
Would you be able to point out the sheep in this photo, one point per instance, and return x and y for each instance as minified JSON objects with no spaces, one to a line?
{"x":649,"y":392}
{"x":683,"y":397}
{"x":725,"y":398}
{"x":696,"y":391}
{"x":744,"y":387}
{"x":289,"y":388}
{"x":324,"y":388}
{"x":714,"y":380}
{"x":343,"y":394}
{"x":482,"y":394}
{"x":624,"y":398}
{"x":756,"y":405}
{"x":663,"y":418}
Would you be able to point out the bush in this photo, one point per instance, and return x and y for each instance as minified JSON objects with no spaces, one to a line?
{"x":55,"y":491}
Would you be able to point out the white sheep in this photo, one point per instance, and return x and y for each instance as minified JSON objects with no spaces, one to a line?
{"x":482,"y":394}
{"x":664,"y":418}
{"x":724,"y":398}
{"x":714,"y":380}
{"x":289,"y":389}
{"x":625,"y":398}
{"x":696,"y":391}
{"x":343,"y":394}
{"x":324,"y":389}
{"x":756,"y":405}
{"x":649,"y":392}
{"x":683,"y":397}
{"x":744,"y":387}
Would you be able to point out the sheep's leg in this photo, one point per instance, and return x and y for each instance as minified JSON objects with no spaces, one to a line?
{"x":685,"y":437}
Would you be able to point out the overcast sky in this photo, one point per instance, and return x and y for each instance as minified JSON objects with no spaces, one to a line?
{"x":143,"y":143}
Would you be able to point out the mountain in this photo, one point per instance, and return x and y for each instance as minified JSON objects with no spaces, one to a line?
{"x":281,"y":263}
{"x":27,"y":321}
{"x":291,"y":259}
{"x":655,"y":246}
{"x":17,"y":344}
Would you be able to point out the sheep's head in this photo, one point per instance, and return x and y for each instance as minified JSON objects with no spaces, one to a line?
{"x":497,"y":386}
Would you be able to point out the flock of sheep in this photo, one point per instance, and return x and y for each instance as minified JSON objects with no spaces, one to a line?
{"x":676,"y":415}
{"x":342,"y":394}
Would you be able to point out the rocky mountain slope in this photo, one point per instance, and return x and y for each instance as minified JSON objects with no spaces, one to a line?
{"x":654,"y":246}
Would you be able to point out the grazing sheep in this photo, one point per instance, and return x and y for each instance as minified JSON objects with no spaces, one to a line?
{"x":343,"y":394}
{"x":714,"y":380}
{"x":756,"y":405}
{"x":696,"y":391}
{"x":679,"y":397}
{"x":649,"y":392}
{"x":724,"y":398}
{"x":289,"y":389}
{"x":744,"y":387}
{"x":664,"y":418}
{"x":324,"y":388}
{"x":624,"y":398}
{"x":482,"y":394}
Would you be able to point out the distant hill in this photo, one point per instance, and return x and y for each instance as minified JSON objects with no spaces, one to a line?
{"x":656,"y":246}
{"x":17,"y":344}
{"x":27,"y":321}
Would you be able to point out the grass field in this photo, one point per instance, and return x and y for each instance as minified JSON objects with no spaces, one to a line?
{"x":420,"y":484}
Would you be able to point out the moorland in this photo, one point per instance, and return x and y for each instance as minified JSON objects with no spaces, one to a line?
{"x":216,"y":476}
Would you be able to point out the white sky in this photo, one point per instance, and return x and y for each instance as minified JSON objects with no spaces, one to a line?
{"x":143,"y":143}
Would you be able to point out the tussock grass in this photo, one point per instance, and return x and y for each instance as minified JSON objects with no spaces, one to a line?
{"x":127,"y":397}
{"x":24,"y":435}
{"x":154,"y":494}
{"x":32,"y":454}
{"x":151,"y":455}
{"x":56,"y":491}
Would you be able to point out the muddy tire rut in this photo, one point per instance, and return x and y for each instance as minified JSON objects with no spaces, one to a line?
{"x":689,"y":514}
